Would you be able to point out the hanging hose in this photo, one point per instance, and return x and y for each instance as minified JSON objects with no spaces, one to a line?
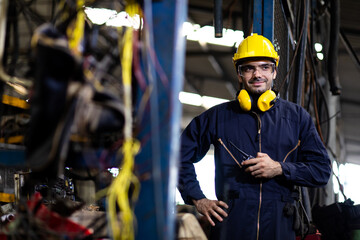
{"x":247,"y":19}
{"x":333,"y":47}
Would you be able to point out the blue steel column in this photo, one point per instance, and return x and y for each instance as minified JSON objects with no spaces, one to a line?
{"x":264,"y":18}
{"x":258,"y":17}
{"x":268,"y":25}
{"x":157,"y":163}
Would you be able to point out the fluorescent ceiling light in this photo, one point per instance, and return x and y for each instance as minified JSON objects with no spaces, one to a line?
{"x":190,"y":98}
{"x":209,"y":102}
{"x":124,"y":20}
{"x":109,"y":17}
{"x":318,"y":47}
{"x":99,"y":15}
{"x":193,"y":32}
{"x":197,"y":100}
{"x":320,"y":56}
{"x":205,"y":34}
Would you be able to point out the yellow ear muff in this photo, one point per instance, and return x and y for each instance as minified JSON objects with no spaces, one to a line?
{"x":266,"y":100}
{"x":264,"y":103}
{"x":244,"y":100}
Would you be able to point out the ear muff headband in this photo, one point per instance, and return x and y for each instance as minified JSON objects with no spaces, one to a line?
{"x":264,"y":103}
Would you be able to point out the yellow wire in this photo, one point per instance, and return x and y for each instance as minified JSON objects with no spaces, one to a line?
{"x":122,"y":226}
{"x":76,"y":33}
{"x":119,"y":194}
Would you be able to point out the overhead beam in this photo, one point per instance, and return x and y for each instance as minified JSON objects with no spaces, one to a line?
{"x":349,"y":49}
{"x":349,"y":101}
{"x":209,"y":10}
{"x":205,"y":77}
{"x":227,"y":14}
{"x":212,"y":52}
{"x":351,"y":31}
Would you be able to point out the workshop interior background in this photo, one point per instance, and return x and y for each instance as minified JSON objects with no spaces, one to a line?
{"x":95,"y":95}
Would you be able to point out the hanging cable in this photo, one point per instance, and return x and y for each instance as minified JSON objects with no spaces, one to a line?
{"x":295,"y":53}
{"x":333,"y":47}
{"x":75,"y":32}
{"x":126,"y":183}
{"x":316,"y":89}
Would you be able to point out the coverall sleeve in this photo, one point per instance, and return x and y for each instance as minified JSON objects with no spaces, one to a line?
{"x":313,"y":165}
{"x":195,"y":142}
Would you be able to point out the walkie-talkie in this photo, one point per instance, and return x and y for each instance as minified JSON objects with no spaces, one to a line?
{"x":245,"y":156}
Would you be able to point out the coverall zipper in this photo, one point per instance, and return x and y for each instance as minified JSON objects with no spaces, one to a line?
{"x":260,"y":191}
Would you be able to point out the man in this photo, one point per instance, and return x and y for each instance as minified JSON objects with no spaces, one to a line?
{"x":253,"y":194}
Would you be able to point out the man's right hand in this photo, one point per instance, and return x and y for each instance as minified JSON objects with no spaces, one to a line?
{"x":210,"y":208}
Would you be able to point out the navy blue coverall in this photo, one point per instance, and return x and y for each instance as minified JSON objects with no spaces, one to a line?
{"x":286,"y":133}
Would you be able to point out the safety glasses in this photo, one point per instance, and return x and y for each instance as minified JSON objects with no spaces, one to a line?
{"x":248,"y":70}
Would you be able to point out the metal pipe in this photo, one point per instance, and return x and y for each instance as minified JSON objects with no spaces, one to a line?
{"x":218,"y":21}
{"x":247,"y":17}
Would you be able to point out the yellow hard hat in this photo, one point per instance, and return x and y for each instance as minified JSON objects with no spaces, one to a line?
{"x":255,"y":46}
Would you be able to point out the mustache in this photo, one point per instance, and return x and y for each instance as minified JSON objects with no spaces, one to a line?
{"x":258,"y":80}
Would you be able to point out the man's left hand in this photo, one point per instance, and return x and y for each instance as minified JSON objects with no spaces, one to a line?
{"x":262,"y":166}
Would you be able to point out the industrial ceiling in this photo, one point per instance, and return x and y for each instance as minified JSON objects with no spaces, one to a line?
{"x":209,"y":70}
